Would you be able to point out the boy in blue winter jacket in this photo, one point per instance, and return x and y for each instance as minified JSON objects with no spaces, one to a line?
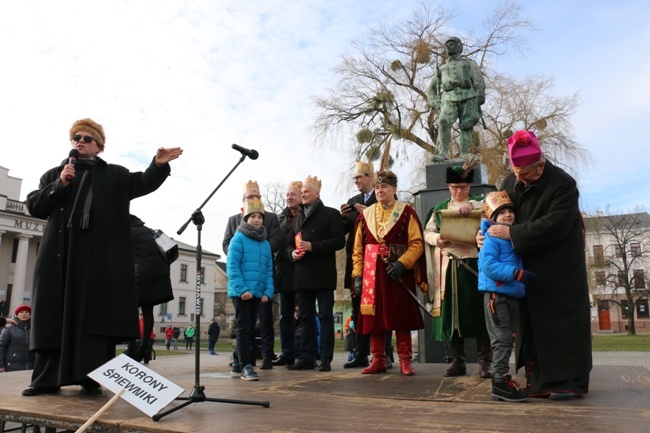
{"x":250,"y":280}
{"x":502,"y":279}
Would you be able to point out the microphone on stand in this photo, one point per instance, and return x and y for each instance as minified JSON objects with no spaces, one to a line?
{"x":72,"y":160}
{"x":251,"y":153}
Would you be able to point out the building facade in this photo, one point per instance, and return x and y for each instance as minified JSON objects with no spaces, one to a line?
{"x":617,"y":249}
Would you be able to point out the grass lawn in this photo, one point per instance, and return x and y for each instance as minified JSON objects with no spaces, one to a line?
{"x":621,"y":342}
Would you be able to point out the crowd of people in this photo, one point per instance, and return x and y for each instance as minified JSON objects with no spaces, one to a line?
{"x":508,"y":279}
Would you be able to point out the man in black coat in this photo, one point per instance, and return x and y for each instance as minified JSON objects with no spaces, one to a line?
{"x":316,"y":235}
{"x":553,"y":338}
{"x":84,"y":296}
{"x":274,"y":236}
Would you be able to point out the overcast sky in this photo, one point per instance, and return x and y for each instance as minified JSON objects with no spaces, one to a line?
{"x":206,"y":74}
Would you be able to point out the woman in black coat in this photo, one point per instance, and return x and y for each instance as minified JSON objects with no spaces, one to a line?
{"x":152,"y":283}
{"x":84,"y":298}
{"x":14,"y":343}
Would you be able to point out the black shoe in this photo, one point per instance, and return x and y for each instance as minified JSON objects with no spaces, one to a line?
{"x":389,"y":363}
{"x":325,"y":366}
{"x":562,"y":396}
{"x":360,"y":361}
{"x":266,"y":364}
{"x":302,"y":365}
{"x":283,"y":360}
{"x":91,"y":388}
{"x":39,"y":390}
{"x":457,"y":368}
{"x":506,"y":389}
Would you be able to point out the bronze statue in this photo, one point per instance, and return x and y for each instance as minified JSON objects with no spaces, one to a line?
{"x":457,"y":91}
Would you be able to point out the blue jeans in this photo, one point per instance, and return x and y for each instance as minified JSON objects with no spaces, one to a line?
{"x":267,"y":334}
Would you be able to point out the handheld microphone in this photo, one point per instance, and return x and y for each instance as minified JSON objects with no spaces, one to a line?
{"x":72,"y":160}
{"x":251,"y":153}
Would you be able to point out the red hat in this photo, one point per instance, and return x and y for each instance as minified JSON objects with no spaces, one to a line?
{"x":524,"y":149}
{"x":22,"y":308}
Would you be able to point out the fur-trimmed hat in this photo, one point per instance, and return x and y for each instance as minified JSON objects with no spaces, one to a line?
{"x":495,"y":202}
{"x":313,"y":182}
{"x":252,"y":206}
{"x":387,"y":177}
{"x":523,"y":148}
{"x":364,"y":168}
{"x":296,"y":184}
{"x":92,"y":127}
{"x":458,"y":174}
{"x":22,"y":308}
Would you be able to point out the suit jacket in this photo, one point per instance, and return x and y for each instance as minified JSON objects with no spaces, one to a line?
{"x":323,"y":228}
{"x":349,"y":223}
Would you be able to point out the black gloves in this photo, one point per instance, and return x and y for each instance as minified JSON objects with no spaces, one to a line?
{"x":524,"y":276}
{"x":358,"y":285}
{"x":395,"y":270}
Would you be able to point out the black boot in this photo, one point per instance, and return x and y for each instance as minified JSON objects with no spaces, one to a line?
{"x":484,"y":350}
{"x":506,"y":389}
{"x":133,"y":351}
{"x":457,"y":367}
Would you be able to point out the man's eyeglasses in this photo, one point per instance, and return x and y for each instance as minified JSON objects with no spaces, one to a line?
{"x":251,"y":197}
{"x":459,"y":187}
{"x":86,"y":138}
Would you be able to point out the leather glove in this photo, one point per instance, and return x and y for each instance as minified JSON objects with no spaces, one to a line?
{"x":524,"y":276}
{"x":395,"y":270}
{"x":358,"y":285}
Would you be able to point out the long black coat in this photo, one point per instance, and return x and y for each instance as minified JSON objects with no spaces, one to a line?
{"x":111,"y":308}
{"x":282,"y":264}
{"x":323,"y":228}
{"x":349,"y":224}
{"x":548,"y":234}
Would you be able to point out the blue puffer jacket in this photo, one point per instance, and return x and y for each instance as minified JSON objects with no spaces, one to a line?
{"x":249,"y":267}
{"x":497,"y":263}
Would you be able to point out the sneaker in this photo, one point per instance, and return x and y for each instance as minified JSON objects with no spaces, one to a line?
{"x":507,"y":389}
{"x":236,"y":370}
{"x":247,"y":373}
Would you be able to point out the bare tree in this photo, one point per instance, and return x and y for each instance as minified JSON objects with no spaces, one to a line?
{"x":380,"y":100}
{"x":620,"y":258}
{"x":273,"y":197}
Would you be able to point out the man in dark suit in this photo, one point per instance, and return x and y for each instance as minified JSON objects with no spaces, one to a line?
{"x":317,"y":234}
{"x":274,"y":236}
{"x":364,"y":181}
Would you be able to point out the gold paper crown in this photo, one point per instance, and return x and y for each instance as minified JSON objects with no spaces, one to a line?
{"x":313,"y":182}
{"x":251,"y":185}
{"x":495,"y":202}
{"x":363,"y":168}
{"x":253,"y":205}
{"x":296,"y":184}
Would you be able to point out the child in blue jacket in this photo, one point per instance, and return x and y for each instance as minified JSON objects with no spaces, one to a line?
{"x":250,"y":280}
{"x":502,"y":279}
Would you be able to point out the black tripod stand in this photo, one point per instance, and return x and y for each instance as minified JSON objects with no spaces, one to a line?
{"x":197,"y":395}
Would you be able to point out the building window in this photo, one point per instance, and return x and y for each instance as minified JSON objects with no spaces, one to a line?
{"x":184,"y":273}
{"x":618,"y":250}
{"x":635,"y":249}
{"x":642,"y":309}
{"x":181,"y":306}
{"x":622,"y":278}
{"x":163,"y":309}
{"x":625,"y":309}
{"x":202,"y":275}
{"x":600,"y":278}
{"x":639,"y":279}
{"x":599,"y":256}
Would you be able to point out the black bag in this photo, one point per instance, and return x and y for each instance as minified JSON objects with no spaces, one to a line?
{"x":166,"y":245}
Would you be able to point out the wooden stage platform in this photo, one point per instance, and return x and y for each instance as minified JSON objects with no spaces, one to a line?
{"x":341,"y":401}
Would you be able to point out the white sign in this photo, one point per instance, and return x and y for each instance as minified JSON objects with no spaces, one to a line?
{"x":143,"y":388}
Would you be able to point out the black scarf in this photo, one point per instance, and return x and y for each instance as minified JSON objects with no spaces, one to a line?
{"x":80,"y":216}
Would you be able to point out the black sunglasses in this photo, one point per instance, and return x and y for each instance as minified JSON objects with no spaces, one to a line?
{"x":86,"y":138}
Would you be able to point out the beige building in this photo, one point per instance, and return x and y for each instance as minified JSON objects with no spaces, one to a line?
{"x":616,"y":258}
{"x":20,"y":236}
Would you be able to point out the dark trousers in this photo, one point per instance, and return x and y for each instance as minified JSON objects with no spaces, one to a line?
{"x":245,"y":317}
{"x":307,"y":307}
{"x":288,"y":324}
{"x":267,"y":334}
{"x":363,"y":340}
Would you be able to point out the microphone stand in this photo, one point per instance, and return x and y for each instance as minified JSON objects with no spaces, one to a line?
{"x":197,"y":395}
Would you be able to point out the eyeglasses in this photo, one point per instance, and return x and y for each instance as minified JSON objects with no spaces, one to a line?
{"x":359,"y":177}
{"x":86,"y":138}
{"x":459,"y":187}
{"x":251,"y":197}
